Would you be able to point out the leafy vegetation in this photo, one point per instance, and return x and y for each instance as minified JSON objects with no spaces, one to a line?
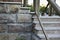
{"x":42,"y":9}
{"x":31,"y":8}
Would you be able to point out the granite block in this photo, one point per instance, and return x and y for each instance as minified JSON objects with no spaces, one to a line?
{"x":16,"y":28}
{"x":3,"y":28}
{"x":24,"y":18}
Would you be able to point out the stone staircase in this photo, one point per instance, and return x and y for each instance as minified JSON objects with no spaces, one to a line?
{"x":51,"y":25}
{"x":13,"y":25}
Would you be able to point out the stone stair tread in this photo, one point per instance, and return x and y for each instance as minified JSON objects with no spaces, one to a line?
{"x":47,"y":17}
{"x":32,"y":13}
{"x":49,"y":35}
{"x":25,"y":7}
{"x":50,"y":16}
{"x":45,"y":22}
{"x":48,"y":28}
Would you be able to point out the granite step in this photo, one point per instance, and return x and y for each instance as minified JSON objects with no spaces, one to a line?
{"x":49,"y":35}
{"x":47,"y":19}
{"x":48,"y":24}
{"x":48,"y":30}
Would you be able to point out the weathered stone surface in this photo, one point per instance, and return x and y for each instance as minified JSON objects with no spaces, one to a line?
{"x":14,"y":24}
{"x":2,"y":8}
{"x":3,"y":16}
{"x":6,"y":18}
{"x":25,"y":36}
{"x":13,"y":36}
{"x":15,"y":28}
{"x":4,"y":36}
{"x":3,"y":28}
{"x":8,"y":36}
{"x":24,"y":11}
{"x":28,"y":26}
{"x":24,"y":8}
{"x":24,"y":18}
{"x":11,"y":18}
{"x":13,"y":8}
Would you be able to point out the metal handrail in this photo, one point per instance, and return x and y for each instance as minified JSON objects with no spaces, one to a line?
{"x":57,"y":9}
{"x":40,"y":24}
{"x":42,"y":27}
{"x":55,"y":6}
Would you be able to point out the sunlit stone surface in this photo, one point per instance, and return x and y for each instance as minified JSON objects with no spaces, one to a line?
{"x":24,"y":11}
{"x":24,"y":18}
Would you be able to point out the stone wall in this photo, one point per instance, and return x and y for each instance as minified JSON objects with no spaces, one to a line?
{"x":15,"y":25}
{"x":14,"y":36}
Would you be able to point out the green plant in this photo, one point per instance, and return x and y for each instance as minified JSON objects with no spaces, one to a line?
{"x":42,"y":9}
{"x":31,"y":8}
